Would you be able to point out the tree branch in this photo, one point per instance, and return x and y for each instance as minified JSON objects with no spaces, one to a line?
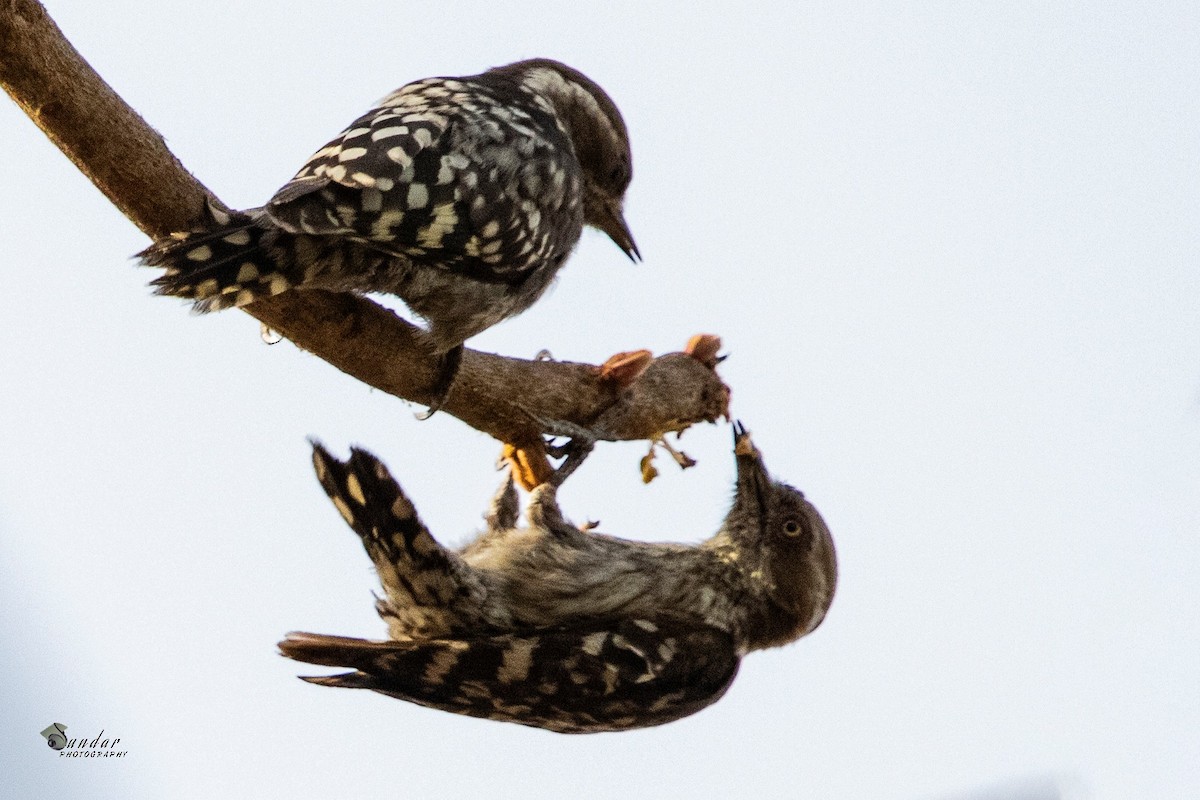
{"x":513,"y":400}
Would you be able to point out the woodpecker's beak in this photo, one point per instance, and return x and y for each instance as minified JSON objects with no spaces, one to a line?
{"x":753,"y":482}
{"x":612,"y":222}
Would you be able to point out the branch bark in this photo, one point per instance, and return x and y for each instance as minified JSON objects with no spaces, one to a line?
{"x":513,"y":400}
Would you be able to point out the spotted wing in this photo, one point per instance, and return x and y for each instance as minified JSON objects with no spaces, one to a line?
{"x":635,"y":674}
{"x":453,"y":173}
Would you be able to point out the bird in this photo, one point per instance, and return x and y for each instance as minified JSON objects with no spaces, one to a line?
{"x":463,"y":196}
{"x":557,"y":626}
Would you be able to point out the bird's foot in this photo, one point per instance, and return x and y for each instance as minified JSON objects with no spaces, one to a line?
{"x":447,"y":368}
{"x":573,"y":452}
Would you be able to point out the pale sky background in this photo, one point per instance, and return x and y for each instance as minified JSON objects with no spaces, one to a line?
{"x":952,"y":250}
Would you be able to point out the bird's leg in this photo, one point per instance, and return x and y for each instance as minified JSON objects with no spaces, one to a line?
{"x":581,"y":441}
{"x":543,"y":511}
{"x":447,"y":368}
{"x":573,"y":452}
{"x":502,"y":514}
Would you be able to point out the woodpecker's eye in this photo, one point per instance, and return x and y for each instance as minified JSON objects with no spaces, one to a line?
{"x":798,"y":530}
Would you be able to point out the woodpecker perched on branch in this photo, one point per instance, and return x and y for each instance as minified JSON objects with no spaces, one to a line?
{"x":462,"y":196}
{"x":552,"y":626}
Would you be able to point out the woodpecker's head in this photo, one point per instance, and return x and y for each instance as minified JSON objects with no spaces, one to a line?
{"x":781,"y":542}
{"x":599,"y":137}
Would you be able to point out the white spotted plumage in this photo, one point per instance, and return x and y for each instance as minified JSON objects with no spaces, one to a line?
{"x":556,"y":627}
{"x":462,"y":196}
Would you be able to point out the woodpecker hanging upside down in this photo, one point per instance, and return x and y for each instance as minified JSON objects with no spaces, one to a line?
{"x":462,"y":196}
{"x":556,"y":627}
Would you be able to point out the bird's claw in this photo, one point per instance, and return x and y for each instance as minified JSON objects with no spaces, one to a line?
{"x":447,"y":367}
{"x":570,"y":430}
{"x":573,"y":452}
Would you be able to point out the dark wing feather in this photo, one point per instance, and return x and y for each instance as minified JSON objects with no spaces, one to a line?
{"x":634,"y":674}
{"x":448,"y":173}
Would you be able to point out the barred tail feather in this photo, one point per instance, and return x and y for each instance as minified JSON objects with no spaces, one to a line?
{"x":346,"y":680}
{"x":233,"y":265}
{"x":334,"y":651}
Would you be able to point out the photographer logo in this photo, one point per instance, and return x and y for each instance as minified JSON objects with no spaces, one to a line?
{"x":100,"y":746}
